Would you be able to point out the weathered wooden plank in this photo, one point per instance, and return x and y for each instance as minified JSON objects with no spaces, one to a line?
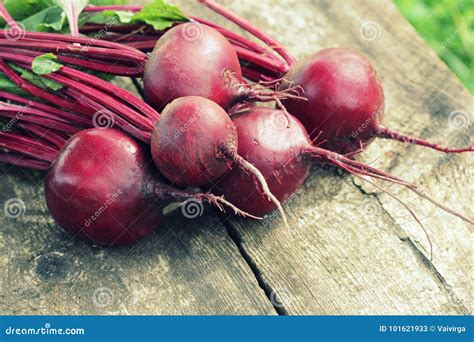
{"x":350,"y":253}
{"x":355,"y":250}
{"x":188,"y":266}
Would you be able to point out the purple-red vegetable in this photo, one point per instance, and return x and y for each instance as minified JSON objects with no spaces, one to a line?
{"x":196,"y":60}
{"x":195,"y":142}
{"x":345,"y":102}
{"x":284,"y":152}
{"x":100,"y":188}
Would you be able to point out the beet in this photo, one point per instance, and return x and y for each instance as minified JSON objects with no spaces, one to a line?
{"x":191,"y":141}
{"x":284,"y":153}
{"x":345,"y":102}
{"x":100,"y":188}
{"x":196,"y":60}
{"x":195,"y":142}
{"x":276,"y":150}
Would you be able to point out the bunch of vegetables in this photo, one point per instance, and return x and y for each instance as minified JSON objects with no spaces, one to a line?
{"x":201,"y":120}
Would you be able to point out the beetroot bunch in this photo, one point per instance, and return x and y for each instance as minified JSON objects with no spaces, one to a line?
{"x":200,"y":124}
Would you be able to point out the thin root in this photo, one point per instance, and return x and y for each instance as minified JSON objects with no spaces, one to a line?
{"x":249,"y":167}
{"x":220,"y":201}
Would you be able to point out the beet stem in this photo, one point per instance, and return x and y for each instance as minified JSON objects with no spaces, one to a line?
{"x":86,"y":41}
{"x":45,"y":134}
{"x":7,"y":157}
{"x":71,"y":117}
{"x":8,"y":18}
{"x":27,"y":146}
{"x":387,"y":133}
{"x":249,"y":27}
{"x":38,"y":92}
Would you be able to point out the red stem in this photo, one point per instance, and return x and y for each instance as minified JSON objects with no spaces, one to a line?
{"x":117,"y":120}
{"x":236,"y":38}
{"x":38,"y":92}
{"x":44,"y":134}
{"x":108,"y":87}
{"x":19,"y":112}
{"x":9,"y":158}
{"x":30,"y":147}
{"x":85,"y":41}
{"x":8,"y":18}
{"x":254,"y":58}
{"x":387,"y":133}
{"x":70,"y":117}
{"x":95,"y":52}
{"x":249,"y":27}
{"x":120,"y":70}
{"x":99,"y":96}
{"x":70,"y":73}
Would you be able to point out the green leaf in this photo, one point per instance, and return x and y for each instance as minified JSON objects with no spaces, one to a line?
{"x":21,"y":9}
{"x":10,"y":87}
{"x":124,"y":17}
{"x":159,"y":14}
{"x":45,"y":64}
{"x":108,"y":17}
{"x":37,"y":80}
{"x":49,"y":19}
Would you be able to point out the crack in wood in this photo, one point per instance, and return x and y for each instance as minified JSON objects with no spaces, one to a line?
{"x":414,"y":246}
{"x":267,"y":289}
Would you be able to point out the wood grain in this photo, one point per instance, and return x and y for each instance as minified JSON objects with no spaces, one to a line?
{"x":188,"y":266}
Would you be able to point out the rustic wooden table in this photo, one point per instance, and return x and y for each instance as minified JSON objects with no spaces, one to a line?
{"x":354,"y":249}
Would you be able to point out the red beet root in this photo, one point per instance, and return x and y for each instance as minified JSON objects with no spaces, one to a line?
{"x":284,"y":153}
{"x":100,"y":188}
{"x":345,"y":102}
{"x":191,"y":141}
{"x":195,"y":142}
{"x":196,"y":60}
{"x":95,"y":189}
{"x":266,"y":141}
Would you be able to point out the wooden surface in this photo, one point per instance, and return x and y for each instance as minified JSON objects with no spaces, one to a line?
{"x":353,"y":250}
